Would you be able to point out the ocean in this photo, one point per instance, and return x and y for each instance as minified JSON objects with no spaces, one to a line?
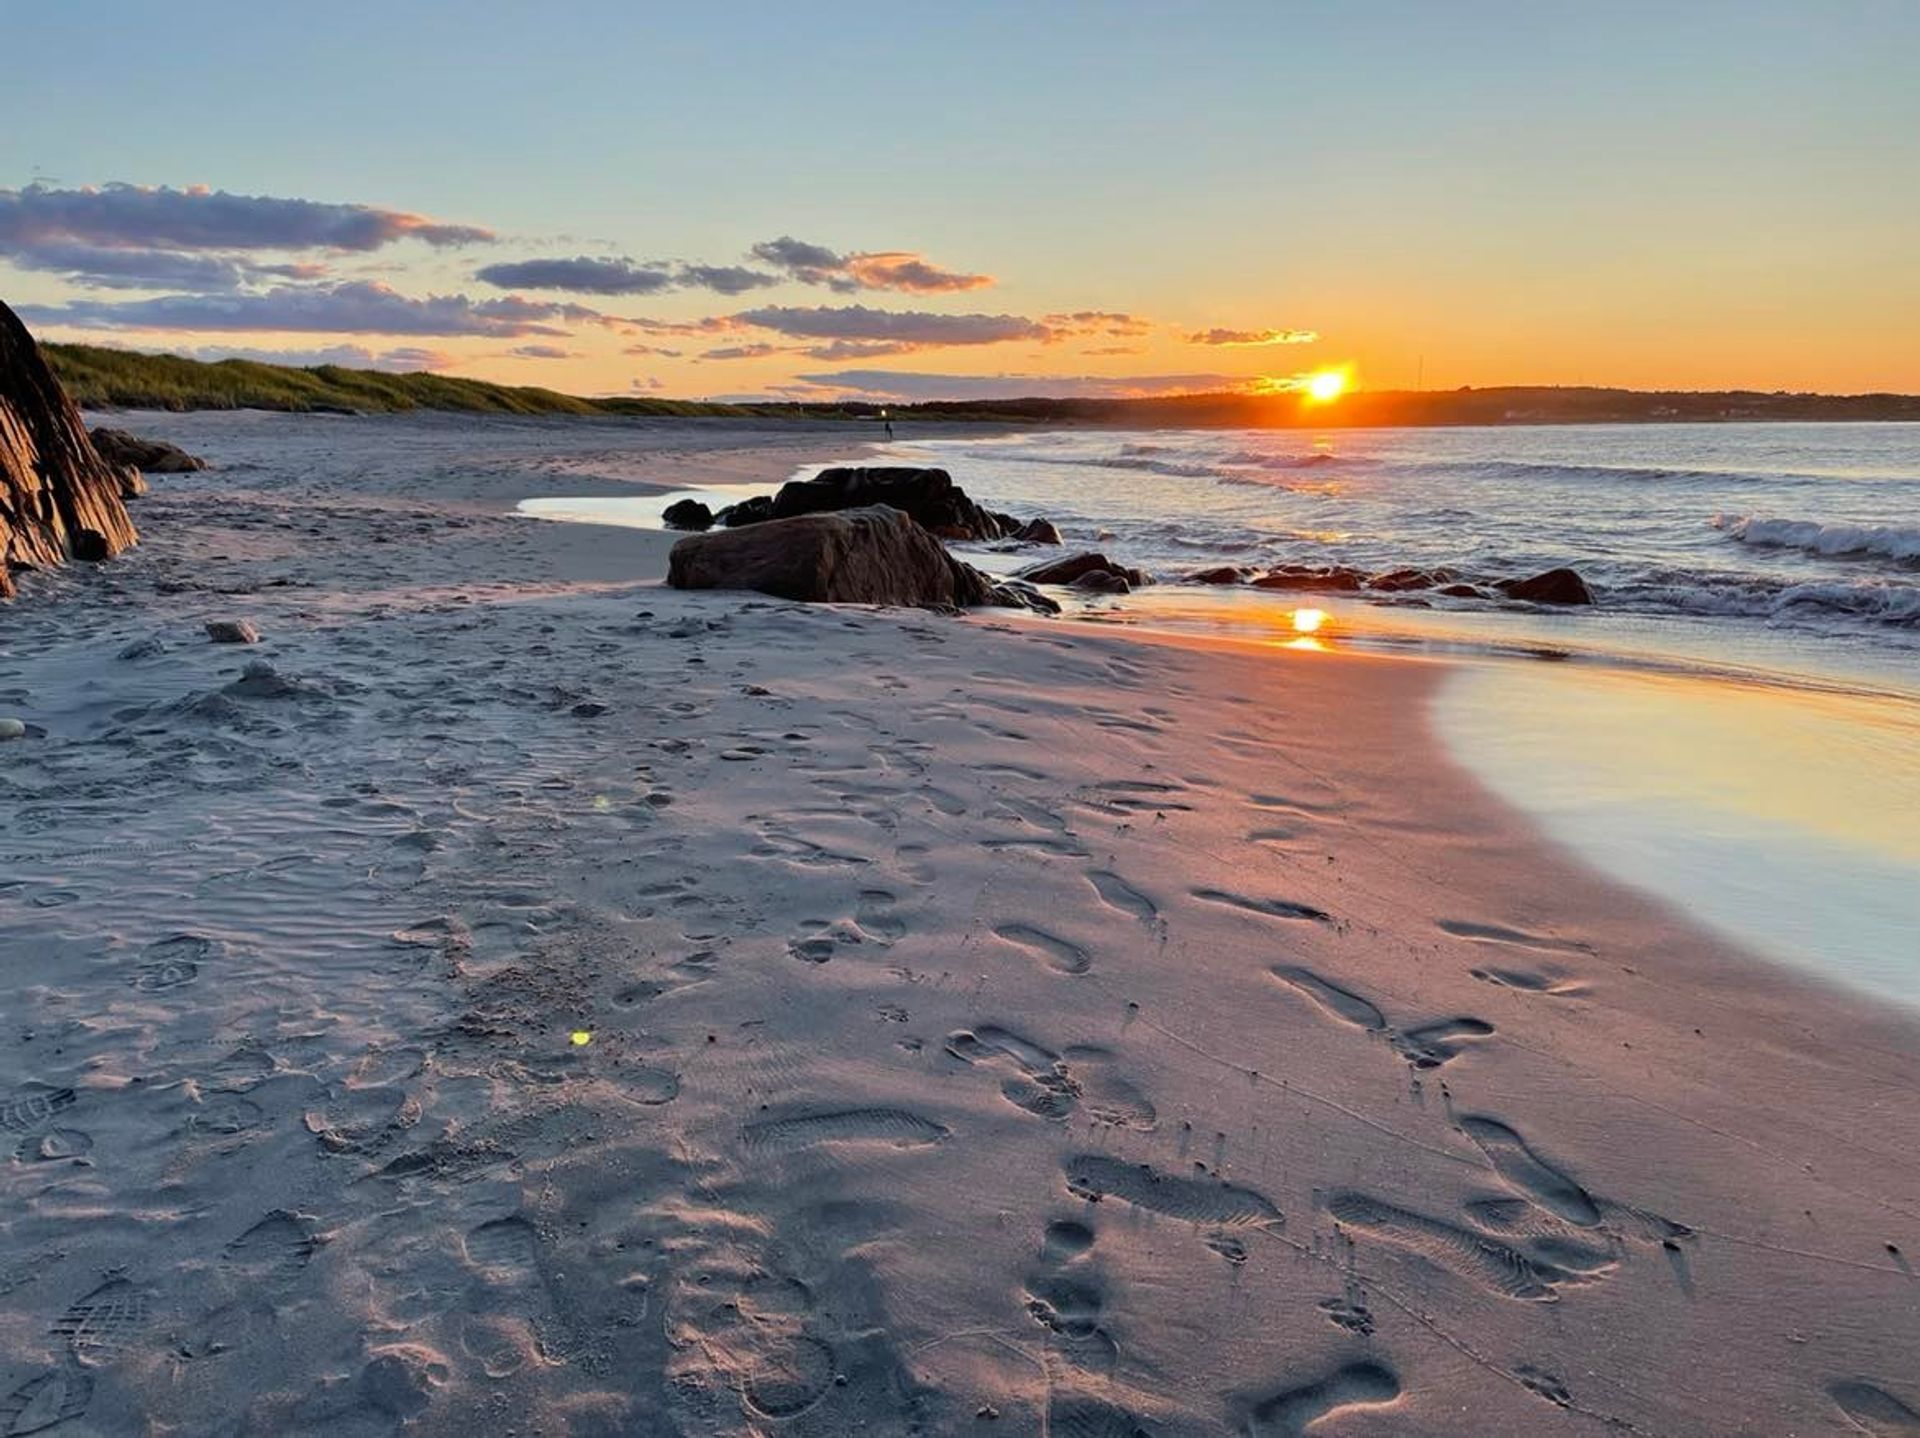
{"x":1733,"y":727}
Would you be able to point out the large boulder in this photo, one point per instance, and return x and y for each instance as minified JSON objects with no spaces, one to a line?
{"x":871,"y":555}
{"x":928,"y":495}
{"x":149,"y":456}
{"x":1556,"y":586}
{"x":687,"y":514}
{"x":1070,"y":567}
{"x":59,"y":499}
{"x":1313,"y":577}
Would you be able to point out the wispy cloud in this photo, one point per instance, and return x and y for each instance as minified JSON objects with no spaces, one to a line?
{"x":651,"y":350}
{"x":542,"y":352}
{"x":1251,"y":338}
{"x":123,"y":216}
{"x":616,"y":275}
{"x":353,"y":307}
{"x":903,"y":327}
{"x":903,"y":270}
{"x":909,"y":385}
{"x":740,"y":352}
{"x":1098,"y":322}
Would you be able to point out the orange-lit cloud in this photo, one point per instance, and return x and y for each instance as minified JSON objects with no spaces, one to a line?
{"x":904,"y":270}
{"x":1252,"y":338}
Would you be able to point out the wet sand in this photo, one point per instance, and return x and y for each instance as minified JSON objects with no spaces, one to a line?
{"x":540,"y":1001}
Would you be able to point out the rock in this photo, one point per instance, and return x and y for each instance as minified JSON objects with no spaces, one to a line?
{"x":59,"y":499}
{"x":874,"y":555}
{"x":1301,"y":576}
{"x":1395,"y":581}
{"x":1464,"y":591}
{"x":232,"y":631}
{"x":687,"y":514}
{"x":153,"y":456}
{"x":929,"y":496}
{"x":1101,"y":581}
{"x":133,"y":483}
{"x":1219,"y":574}
{"x":1018,"y":594}
{"x":12,"y":729}
{"x":1069,"y":567}
{"x":1038,"y":531}
{"x":757,"y":510}
{"x":1556,"y":586}
{"x":148,"y":648}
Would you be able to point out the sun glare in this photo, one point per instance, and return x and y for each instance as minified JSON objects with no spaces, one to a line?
{"x":1326,"y":385}
{"x":1306,"y":621}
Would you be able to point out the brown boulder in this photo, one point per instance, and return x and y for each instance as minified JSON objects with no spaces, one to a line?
{"x":1069,"y":567}
{"x":150,"y":456}
{"x":59,"y":499}
{"x":1556,"y":586}
{"x":875,"y":555}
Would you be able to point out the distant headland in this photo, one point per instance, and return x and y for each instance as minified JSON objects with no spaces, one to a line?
{"x":101,"y":378}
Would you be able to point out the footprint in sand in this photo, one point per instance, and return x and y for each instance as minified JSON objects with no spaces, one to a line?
{"x":172,"y":963}
{"x":274,"y":1249}
{"x":1517,"y":938}
{"x":1872,"y":1409}
{"x":1272,"y":908}
{"x":1058,"y":953}
{"x":45,"y":1401}
{"x":1293,"y":1411}
{"x":1343,"y":1004}
{"x":1117,"y":893}
{"x":887,"y":1127}
{"x":1210,"y":1201}
{"x":1532,"y":1175}
{"x":98,"y":1328}
{"x":27,"y":1109}
{"x":1482,"y":1261}
{"x":1531,"y":981}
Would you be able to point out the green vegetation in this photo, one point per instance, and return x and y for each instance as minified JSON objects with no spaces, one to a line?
{"x":120,"y":379}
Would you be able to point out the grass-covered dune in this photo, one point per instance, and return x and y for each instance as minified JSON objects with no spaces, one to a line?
{"x":100,"y":378}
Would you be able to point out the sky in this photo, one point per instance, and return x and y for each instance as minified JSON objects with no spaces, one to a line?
{"x":998,"y":198}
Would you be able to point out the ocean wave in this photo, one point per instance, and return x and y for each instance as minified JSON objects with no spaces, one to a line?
{"x":1886,"y":541}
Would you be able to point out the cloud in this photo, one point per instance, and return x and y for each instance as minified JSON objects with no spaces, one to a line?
{"x":105,"y":267}
{"x":399,"y":360}
{"x":1253,"y":337}
{"x":901,"y":327}
{"x":749,"y":351}
{"x":651,"y":350}
{"x":1113,"y":350}
{"x":645,"y":384}
{"x":1099,"y":322}
{"x":545,"y":352}
{"x":711,"y":325}
{"x":120,"y":216}
{"x":582,"y":275}
{"x":619,"y":275}
{"x":860,"y":349}
{"x":907,"y":385}
{"x":724,"y":279}
{"x":353,"y":307}
{"x":615,"y":275}
{"x":904,"y":270}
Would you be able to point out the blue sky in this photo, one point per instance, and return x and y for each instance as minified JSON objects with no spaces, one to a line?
{"x":1696,"y":195}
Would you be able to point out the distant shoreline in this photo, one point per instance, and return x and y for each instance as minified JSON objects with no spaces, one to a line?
{"x":108,"y":379}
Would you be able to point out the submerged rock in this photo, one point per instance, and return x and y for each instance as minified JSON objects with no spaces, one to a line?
{"x":1069,"y":567}
{"x":152,"y":456}
{"x":1335,"y":577}
{"x":1101,"y":581}
{"x":59,"y":499}
{"x":232,"y":631}
{"x":872,"y":555}
{"x":687,"y":514}
{"x":1037,"y":531}
{"x":757,"y":510}
{"x":1219,"y":574}
{"x":1555,"y":586}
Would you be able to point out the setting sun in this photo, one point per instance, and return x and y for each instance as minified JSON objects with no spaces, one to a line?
{"x":1325,"y":385}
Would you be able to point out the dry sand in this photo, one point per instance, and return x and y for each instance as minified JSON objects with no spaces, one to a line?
{"x":993,"y":1027}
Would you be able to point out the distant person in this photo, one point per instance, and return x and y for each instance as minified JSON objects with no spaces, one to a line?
{"x":887,"y":422}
